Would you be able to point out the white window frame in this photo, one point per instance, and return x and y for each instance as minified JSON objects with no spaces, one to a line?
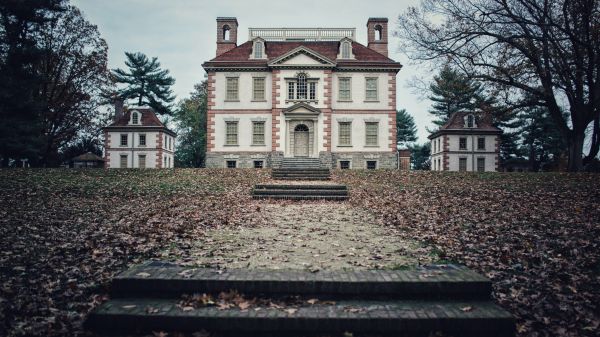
{"x":227,"y":133}
{"x":341,"y":97}
{"x":367,"y":90}
{"x":126,"y":139}
{"x":255,"y":134}
{"x":232,"y":94}
{"x":256,"y":89}
{"x":140,"y":161}
{"x":461,"y":160}
{"x":484,"y":144}
{"x":342,"y":141}
{"x":121,"y":157}
{"x":466,"y":143}
{"x":367,"y":135}
{"x":140,"y":137}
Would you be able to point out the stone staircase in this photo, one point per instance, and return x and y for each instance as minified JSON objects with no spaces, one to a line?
{"x":420,"y":302}
{"x":301,"y":192}
{"x":300,"y":169}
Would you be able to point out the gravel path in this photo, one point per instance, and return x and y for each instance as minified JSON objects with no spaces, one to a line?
{"x":310,"y":235}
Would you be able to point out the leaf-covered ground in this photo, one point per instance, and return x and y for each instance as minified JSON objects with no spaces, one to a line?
{"x":65,"y":233}
{"x":537,"y":236}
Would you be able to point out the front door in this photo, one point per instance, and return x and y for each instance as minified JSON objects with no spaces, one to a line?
{"x":301,"y":141}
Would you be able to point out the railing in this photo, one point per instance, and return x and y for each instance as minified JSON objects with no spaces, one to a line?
{"x":302,"y":34}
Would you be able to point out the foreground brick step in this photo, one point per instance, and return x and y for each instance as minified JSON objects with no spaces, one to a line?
{"x":400,"y":318}
{"x":301,"y":170}
{"x":301,"y":197}
{"x":300,"y":178}
{"x":156,"y":279}
{"x":296,"y":187}
{"x":299,"y":192}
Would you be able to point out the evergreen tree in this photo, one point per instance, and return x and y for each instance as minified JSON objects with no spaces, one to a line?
{"x":146,"y":82}
{"x":21,"y":105}
{"x":405,"y":127}
{"x":420,"y":156}
{"x":454,"y":92}
{"x":541,"y":140}
{"x":190,"y":120}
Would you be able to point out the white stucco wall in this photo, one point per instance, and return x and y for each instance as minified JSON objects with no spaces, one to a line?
{"x":244,"y":132}
{"x":359,"y":132}
{"x":471,"y":153}
{"x":453,"y":142}
{"x":134,"y":149}
{"x":358,"y":91}
{"x":245,"y":90}
{"x":453,"y":161}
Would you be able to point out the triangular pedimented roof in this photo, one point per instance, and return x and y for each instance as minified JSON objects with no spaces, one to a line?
{"x":325,"y":61}
{"x":302,"y":105}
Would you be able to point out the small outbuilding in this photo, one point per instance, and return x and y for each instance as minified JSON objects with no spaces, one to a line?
{"x":87,"y":160}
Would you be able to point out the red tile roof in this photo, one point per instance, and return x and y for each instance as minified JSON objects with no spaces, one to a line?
{"x":274,"y":49}
{"x":457,"y":123}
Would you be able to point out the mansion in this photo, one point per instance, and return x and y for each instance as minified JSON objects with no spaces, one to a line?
{"x":302,"y":92}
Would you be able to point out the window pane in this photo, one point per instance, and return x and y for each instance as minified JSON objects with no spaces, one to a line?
{"x":480,"y":164}
{"x":135,"y":118}
{"x":372,"y":133}
{"x":142,"y":161}
{"x":371,"y":164}
{"x":291,"y":86}
{"x":313,"y":90}
{"x":258,"y":164}
{"x":301,"y":88}
{"x":123,"y":162}
{"x":481,"y":143}
{"x":258,"y":50}
{"x":232,"y":88}
{"x":231,"y":133}
{"x":142,"y":140}
{"x":371,"y":92}
{"x":345,"y":164}
{"x":258,"y":133}
{"x":258,"y":89}
{"x":462,"y":164}
{"x":344,"y":93}
{"x":231,"y":164}
{"x":123,"y":140}
{"x":462,"y":145}
{"x":345,"y":133}
{"x":345,"y":50}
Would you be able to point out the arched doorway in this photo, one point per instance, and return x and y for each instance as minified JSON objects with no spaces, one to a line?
{"x":301,"y":141}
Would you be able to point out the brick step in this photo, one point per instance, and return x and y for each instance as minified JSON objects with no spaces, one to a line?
{"x":397,"y":318}
{"x":301,"y":197}
{"x":300,"y":178}
{"x":307,"y":187}
{"x":300,"y":192}
{"x":299,"y":169}
{"x":278,"y":176}
{"x":156,"y":279}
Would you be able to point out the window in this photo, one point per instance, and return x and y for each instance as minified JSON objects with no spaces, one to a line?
{"x":470,"y":122}
{"x":301,"y":86}
{"x":123,"y":140}
{"x":345,"y":93}
{"x":291,"y":90}
{"x":231,"y":164}
{"x":371,"y":131}
{"x":312,"y":92}
{"x":123,"y":162}
{"x":168,"y":161}
{"x":439,"y":147}
{"x":346,"y":50}
{"x":371,"y":89}
{"x":231,"y":133}
{"x":434,"y":144}
{"x":371,"y":164}
{"x":462,"y":164}
{"x":258,"y":89}
{"x":481,"y":143}
{"x":258,"y":133}
{"x":142,"y":139}
{"x":258,"y":164}
{"x":345,"y":134}
{"x":232,"y":89}
{"x":142,"y":161}
{"x":378,"y":32}
{"x":258,"y":50}
{"x":226,"y":32}
{"x":344,"y":164}
{"x":135,"y":118}
{"x":480,"y":164}
{"x":462,"y":143}
{"x":165,"y":162}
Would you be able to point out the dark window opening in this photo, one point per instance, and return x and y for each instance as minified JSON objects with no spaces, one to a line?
{"x":462,"y":143}
{"x":481,"y":143}
{"x":231,"y":164}
{"x":258,"y":164}
{"x":371,"y":164}
{"x":378,"y":32}
{"x":226,"y":32}
{"x":345,"y":164}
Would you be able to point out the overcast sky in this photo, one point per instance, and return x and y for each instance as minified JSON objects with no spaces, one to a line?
{"x":182,"y":33}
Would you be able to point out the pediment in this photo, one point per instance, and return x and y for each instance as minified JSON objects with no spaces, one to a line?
{"x":302,"y":56}
{"x":302,"y":108}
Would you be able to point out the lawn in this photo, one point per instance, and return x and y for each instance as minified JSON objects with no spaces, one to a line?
{"x":65,"y":233}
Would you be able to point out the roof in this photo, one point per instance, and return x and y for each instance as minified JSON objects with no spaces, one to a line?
{"x":88,"y":157}
{"x":330,"y":49}
{"x":148,"y":117}
{"x":456,"y":124}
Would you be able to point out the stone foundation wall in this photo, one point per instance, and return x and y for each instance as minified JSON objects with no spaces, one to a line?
{"x":358,"y":160}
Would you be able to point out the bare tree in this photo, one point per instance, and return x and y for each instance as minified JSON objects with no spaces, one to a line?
{"x":538,"y":52}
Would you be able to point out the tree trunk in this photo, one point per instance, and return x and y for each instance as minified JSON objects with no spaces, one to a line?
{"x":576,"y":151}
{"x":595,"y":146}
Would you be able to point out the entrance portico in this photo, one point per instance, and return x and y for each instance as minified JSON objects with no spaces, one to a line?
{"x":301,"y":131}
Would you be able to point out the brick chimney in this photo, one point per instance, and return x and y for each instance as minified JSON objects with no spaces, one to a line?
{"x":377,"y":32}
{"x":226,"y":34}
{"x":118,"y":108}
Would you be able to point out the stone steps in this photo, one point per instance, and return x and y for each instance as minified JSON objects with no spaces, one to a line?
{"x":300,"y":174}
{"x":415,"y":302}
{"x":301,"y":192}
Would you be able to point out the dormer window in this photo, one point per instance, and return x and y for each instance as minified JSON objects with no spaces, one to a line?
{"x":135,"y":118}
{"x":258,"y":49}
{"x":345,"y":51}
{"x":470,"y":121}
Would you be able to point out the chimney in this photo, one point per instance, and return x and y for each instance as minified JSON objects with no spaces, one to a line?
{"x":377,"y":32}
{"x":226,"y":34}
{"x":118,"y":108}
